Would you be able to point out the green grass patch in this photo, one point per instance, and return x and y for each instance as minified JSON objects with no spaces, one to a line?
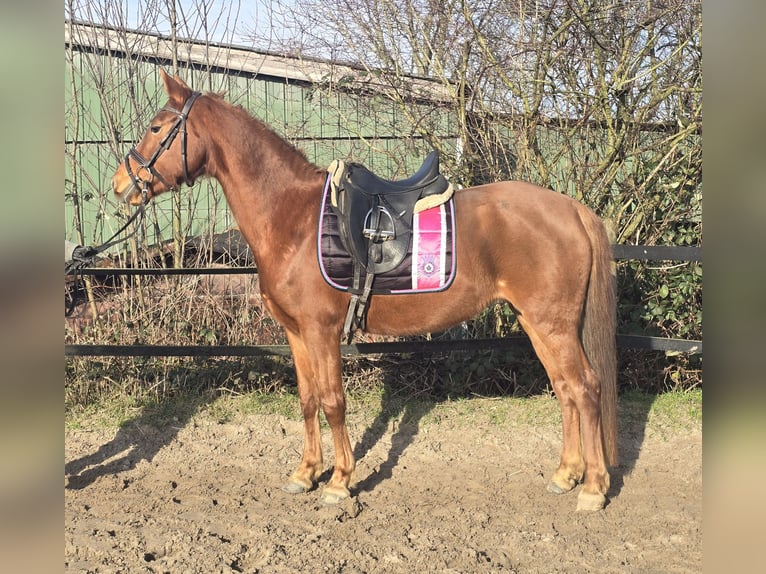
{"x":113,"y":392}
{"x":680,"y":409}
{"x":673,"y":409}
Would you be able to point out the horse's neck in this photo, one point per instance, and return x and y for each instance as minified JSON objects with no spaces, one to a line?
{"x":272,"y":191}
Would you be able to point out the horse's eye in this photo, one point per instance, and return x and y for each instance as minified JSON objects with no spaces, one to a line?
{"x":155,"y":129}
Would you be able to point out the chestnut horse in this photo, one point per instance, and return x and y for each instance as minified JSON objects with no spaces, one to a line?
{"x":541,"y":251}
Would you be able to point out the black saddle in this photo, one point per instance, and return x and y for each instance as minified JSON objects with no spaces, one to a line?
{"x":376,"y":214}
{"x":371,"y":184}
{"x":375,"y":220}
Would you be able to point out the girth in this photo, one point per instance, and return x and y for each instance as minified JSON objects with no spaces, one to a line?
{"x":375,"y":217}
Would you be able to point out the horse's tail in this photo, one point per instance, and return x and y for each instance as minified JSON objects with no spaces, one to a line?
{"x":599,"y":328}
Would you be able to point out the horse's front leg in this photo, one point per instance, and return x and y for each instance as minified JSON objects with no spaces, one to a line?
{"x":318,"y":368}
{"x":325,"y":352}
{"x":307,"y":473}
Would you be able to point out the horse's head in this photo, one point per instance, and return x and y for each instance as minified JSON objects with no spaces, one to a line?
{"x":162,"y":160}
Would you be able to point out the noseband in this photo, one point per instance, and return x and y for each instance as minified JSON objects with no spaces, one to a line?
{"x":178,"y":126}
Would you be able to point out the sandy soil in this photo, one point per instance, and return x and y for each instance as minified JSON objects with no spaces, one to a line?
{"x":458,"y":490}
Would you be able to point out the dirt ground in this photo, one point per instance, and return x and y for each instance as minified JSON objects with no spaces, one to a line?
{"x":456,"y":490}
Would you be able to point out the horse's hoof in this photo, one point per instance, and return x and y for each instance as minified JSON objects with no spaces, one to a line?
{"x":333,"y":495}
{"x":590,"y":502}
{"x":294,"y":488}
{"x":557,"y":488}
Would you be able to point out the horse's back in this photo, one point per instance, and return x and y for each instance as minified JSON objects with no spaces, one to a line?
{"x":517,"y":217}
{"x":516,"y":241}
{"x":515,"y":197}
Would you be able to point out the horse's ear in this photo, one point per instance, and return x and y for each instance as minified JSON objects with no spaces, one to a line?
{"x":176,"y":88}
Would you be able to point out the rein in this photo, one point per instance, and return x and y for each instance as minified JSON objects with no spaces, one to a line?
{"x":80,"y":257}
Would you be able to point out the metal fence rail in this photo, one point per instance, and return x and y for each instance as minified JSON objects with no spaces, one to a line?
{"x":398,"y":347}
{"x":643,"y":342}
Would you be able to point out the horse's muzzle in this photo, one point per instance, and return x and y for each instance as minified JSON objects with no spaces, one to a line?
{"x":126,"y":191}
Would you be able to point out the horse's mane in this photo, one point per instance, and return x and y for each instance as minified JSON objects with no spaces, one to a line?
{"x":297,"y":156}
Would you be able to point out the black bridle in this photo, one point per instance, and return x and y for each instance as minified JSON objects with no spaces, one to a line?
{"x":179,"y":126}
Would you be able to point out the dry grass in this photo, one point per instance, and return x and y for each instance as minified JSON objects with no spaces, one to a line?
{"x":227,"y":310}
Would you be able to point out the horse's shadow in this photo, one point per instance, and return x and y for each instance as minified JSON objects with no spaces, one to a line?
{"x":406,"y":415}
{"x":136,"y":440}
{"x":403,"y":410}
{"x":141,"y":438}
{"x":633,"y":417}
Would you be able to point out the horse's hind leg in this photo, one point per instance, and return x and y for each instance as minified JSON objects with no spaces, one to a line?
{"x":572,"y":465}
{"x":577,"y":389}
